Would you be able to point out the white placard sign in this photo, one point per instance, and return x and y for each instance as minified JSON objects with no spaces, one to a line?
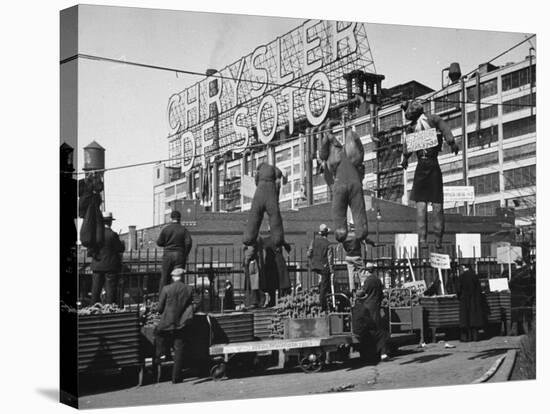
{"x":458,"y":194}
{"x":508,"y":254}
{"x":440,"y":261}
{"x":498,"y":285}
{"x":468,"y":245}
{"x":406,"y":245}
{"x":419,"y":286}
{"x":248,"y":186}
{"x":421,"y":140}
{"x":496,"y":245}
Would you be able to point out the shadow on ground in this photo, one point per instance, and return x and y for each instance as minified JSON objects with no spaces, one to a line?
{"x":425,"y":358}
{"x":489,"y":353}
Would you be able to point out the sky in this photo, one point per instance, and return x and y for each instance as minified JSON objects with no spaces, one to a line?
{"x":124,"y":108}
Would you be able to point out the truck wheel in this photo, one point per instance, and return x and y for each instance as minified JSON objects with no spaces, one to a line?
{"x":311,"y":363}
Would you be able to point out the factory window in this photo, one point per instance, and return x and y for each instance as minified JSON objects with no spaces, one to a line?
{"x":486,"y":89}
{"x":455,"y":210}
{"x":158,"y":173}
{"x":518,"y":78}
{"x":446,"y":102}
{"x":519,"y":127}
{"x":296,"y":151}
{"x":180,"y":188}
{"x":454,"y":121}
{"x":169,"y":191}
{"x":483,"y":160}
{"x":482,"y":137}
{"x":362,"y":129}
{"x":388,"y":122}
{"x":517,"y":104}
{"x":521,"y":152}
{"x":454,"y":183}
{"x":520,"y":177}
{"x":370,"y":166}
{"x":282,"y":155}
{"x":451,"y":167}
{"x":522,"y":203}
{"x":486,"y":209}
{"x":486,"y":184}
{"x":427,"y":107}
{"x":484,"y":113}
{"x":368,"y":147}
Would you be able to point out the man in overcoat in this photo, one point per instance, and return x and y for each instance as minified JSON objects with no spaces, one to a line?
{"x":106,"y":264}
{"x":473,"y":308}
{"x":367,"y":320}
{"x":177,"y":310}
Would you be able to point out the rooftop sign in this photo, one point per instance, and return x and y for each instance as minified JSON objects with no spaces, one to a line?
{"x":297,"y":76}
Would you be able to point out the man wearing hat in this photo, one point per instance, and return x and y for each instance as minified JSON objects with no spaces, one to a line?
{"x":321,"y":258}
{"x":176,"y":309}
{"x":107,"y":263}
{"x":177,"y":244}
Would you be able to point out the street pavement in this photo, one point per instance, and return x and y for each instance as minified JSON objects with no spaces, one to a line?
{"x":411,"y":366}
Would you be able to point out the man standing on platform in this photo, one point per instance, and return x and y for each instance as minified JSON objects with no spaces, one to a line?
{"x":321,"y":258}
{"x":177,"y":243}
{"x":106,"y":264}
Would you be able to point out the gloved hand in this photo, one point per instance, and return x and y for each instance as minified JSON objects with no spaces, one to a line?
{"x":404,"y":163}
{"x":455,"y":148}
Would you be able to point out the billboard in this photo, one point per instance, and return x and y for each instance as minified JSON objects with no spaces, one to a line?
{"x":296,"y":77}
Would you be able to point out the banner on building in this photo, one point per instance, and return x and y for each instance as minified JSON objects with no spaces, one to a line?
{"x":406,"y":245}
{"x":468,"y":245}
{"x":421,"y":140}
{"x":440,"y":261}
{"x":458,"y":194}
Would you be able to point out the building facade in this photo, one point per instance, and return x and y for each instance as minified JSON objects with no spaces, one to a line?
{"x":500,"y":108}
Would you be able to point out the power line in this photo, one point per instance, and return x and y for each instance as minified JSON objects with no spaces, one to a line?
{"x":195,"y":73}
{"x":492,"y":60}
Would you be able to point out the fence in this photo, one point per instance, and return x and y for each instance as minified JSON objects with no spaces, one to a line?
{"x":210,"y":267}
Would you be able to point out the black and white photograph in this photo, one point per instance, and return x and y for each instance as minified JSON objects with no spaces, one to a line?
{"x":256,"y":206}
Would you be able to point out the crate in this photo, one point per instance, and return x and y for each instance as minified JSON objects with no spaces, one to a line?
{"x":263,"y":321}
{"x":321,"y":327}
{"x":108,"y":341}
{"x":232,"y":327}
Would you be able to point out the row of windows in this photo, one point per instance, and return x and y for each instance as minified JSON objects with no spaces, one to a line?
{"x":518,"y":78}
{"x":517,"y":104}
{"x":486,"y":184}
{"x":443,"y":103}
{"x":486,"y":209}
{"x":484,"y":113}
{"x":520,"y":152}
{"x":390,"y":121}
{"x":483,"y":160}
{"x":482,"y":137}
{"x":520,"y":177}
{"x":488,"y":88}
{"x":519,"y":127}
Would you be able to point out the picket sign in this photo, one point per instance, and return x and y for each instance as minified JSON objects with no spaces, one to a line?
{"x":440,"y":261}
{"x":508,"y":254}
{"x":421,"y":140}
{"x":418,"y":285}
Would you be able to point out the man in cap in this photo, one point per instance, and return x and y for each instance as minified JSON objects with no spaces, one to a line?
{"x":106,"y":264}
{"x":176,"y":309}
{"x":177,"y":243}
{"x":321,"y":258}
